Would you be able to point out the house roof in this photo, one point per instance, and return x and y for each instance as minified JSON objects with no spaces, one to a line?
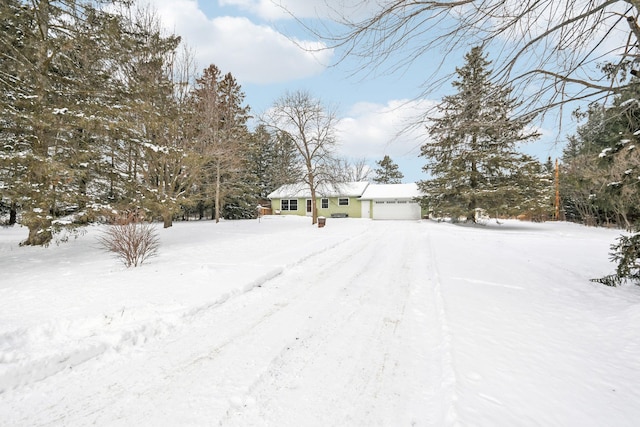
{"x":301,"y":190}
{"x":391,"y":191}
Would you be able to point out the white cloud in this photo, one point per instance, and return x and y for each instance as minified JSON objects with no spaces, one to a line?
{"x":373,"y":130}
{"x":284,"y":9}
{"x":252,"y":53}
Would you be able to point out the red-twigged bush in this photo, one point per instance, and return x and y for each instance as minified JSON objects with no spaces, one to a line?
{"x":131,"y":242}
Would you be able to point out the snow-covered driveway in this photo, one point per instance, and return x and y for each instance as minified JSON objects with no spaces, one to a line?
{"x":347,"y":337}
{"x":358,"y":324}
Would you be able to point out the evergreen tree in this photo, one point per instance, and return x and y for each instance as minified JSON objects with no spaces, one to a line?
{"x":58,"y":74}
{"x":275,"y":161}
{"x":166,"y":162}
{"x":601,"y":163}
{"x":388,"y":172}
{"x":472,"y":157}
{"x":225,"y":144}
{"x":600,"y":182}
{"x":92,"y":118}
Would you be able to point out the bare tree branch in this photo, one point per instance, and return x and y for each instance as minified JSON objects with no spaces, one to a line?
{"x":311,"y":127}
{"x":568,"y":42}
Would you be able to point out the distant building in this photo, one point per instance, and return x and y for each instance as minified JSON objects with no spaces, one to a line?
{"x":350,"y":199}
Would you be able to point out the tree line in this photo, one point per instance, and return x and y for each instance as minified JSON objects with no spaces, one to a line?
{"x":103,"y":113}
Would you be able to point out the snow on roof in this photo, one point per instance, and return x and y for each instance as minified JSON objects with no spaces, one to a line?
{"x":301,"y":190}
{"x":354,"y":189}
{"x":391,"y":191}
{"x":289,"y":190}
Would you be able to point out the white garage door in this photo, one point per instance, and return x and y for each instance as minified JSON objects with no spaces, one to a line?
{"x":403,"y":209}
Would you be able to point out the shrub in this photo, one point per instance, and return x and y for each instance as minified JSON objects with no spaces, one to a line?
{"x":131,"y":242}
{"x":626,"y":252}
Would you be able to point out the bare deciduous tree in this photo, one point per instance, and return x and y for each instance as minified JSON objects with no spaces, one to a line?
{"x":311,"y":127}
{"x":566,"y":49}
{"x":352,"y":171}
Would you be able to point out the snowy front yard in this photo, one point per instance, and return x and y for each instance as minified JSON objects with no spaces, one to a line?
{"x":360,"y":323}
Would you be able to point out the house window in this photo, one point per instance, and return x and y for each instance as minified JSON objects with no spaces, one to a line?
{"x":324,"y":203}
{"x":343,"y":201}
{"x":289,"y":205}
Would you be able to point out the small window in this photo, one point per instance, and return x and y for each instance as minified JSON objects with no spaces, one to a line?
{"x":379,"y":202}
{"x":343,"y":201}
{"x":324,"y":203}
{"x":391,"y":202}
{"x":284,"y":205}
{"x":293,"y":205}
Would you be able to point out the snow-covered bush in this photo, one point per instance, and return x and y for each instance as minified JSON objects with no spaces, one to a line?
{"x":626,"y":253}
{"x":131,"y":242}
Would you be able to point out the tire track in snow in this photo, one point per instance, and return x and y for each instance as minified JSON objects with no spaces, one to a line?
{"x":232,"y":306}
{"x":365,"y":386}
{"x":298,"y":355}
{"x":449,"y":395}
{"x":77,"y":342}
{"x":317,"y":343}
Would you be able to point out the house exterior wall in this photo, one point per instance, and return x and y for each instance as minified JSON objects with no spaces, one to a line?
{"x":365,"y":201}
{"x":353,"y":210}
{"x":277,"y":209}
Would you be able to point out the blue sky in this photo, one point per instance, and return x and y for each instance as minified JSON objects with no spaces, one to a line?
{"x":247,"y":38}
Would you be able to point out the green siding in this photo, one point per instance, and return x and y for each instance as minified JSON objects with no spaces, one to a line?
{"x":302,"y":207}
{"x":353,"y":209}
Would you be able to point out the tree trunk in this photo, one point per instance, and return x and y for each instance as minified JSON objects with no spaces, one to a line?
{"x":314,"y":211}
{"x":217,"y":196}
{"x":13,"y":214}
{"x":312,"y":188}
{"x":39,"y":232}
{"x":167,"y":217}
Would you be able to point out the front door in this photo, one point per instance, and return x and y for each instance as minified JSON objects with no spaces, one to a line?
{"x":309,"y":207}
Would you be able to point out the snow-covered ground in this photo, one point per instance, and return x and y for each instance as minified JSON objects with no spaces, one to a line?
{"x":359,"y":323}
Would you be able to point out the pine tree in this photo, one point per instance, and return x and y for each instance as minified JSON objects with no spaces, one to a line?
{"x":600,"y":184}
{"x":165,"y":160}
{"x":59,"y":65}
{"x":388,"y":172}
{"x":472,"y":157}
{"x":602,"y":163}
{"x":224,"y":140}
{"x":274,"y":160}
